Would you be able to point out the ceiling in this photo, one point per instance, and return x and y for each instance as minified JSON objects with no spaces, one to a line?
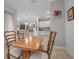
{"x":34,"y":8}
{"x":39,"y":7}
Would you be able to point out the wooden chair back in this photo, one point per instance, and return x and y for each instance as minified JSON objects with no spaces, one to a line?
{"x":20,"y":34}
{"x":10,"y":37}
{"x":52,"y":37}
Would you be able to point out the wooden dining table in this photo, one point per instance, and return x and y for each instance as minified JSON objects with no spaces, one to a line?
{"x":31,"y":44}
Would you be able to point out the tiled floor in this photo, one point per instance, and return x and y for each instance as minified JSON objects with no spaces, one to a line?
{"x":56,"y":54}
{"x":60,"y":54}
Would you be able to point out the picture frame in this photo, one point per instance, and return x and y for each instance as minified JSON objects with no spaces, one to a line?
{"x":70,"y":14}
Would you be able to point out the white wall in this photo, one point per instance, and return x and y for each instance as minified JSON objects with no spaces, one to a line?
{"x":58,"y":24}
{"x":10,"y":24}
{"x":69,"y":29}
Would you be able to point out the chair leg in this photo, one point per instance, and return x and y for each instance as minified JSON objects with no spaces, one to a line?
{"x":17,"y":58}
{"x":8,"y":56}
{"x":48,"y":56}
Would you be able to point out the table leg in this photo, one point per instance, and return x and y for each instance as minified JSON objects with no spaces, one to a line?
{"x":26,"y":54}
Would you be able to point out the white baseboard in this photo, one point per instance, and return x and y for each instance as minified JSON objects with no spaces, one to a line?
{"x":69,"y":53}
{"x":60,"y":47}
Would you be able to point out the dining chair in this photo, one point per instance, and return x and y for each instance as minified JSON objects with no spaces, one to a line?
{"x":47,"y":50}
{"x":20,"y":34}
{"x":10,"y":37}
{"x":50,"y":44}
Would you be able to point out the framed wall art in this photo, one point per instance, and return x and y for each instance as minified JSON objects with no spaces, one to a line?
{"x":70,"y":14}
